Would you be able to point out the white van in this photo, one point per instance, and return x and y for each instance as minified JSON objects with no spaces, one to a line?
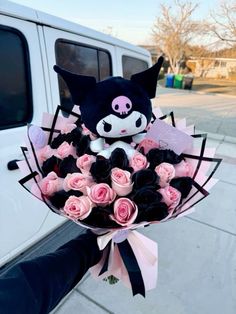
{"x":31,"y":42}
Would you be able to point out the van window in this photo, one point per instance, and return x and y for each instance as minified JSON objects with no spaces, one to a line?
{"x":132,"y":65}
{"x":15,"y":81}
{"x":80,"y":59}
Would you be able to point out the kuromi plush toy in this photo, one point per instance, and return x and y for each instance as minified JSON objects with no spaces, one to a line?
{"x":117,"y":110}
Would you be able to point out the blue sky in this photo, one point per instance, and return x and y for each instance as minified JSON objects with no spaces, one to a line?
{"x":130,"y":20}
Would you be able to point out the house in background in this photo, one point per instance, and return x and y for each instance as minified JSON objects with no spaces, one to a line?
{"x":213,"y":67}
{"x":154,"y":51}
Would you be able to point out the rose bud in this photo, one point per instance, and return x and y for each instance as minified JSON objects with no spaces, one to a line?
{"x":170,"y":196}
{"x":64,"y":150}
{"x":77,"y":181}
{"x":146,"y":145}
{"x":68,"y":128}
{"x":86,"y":131}
{"x":125,"y":211}
{"x":166,"y":172}
{"x":121,"y":181}
{"x":50,"y":184}
{"x":138,"y":162}
{"x":84,"y":162}
{"x":183,"y":169}
{"x":78,"y":207}
{"x":101,"y":194}
{"x":44,"y":153}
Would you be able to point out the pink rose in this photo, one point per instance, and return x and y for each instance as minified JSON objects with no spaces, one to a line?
{"x":138,"y":161}
{"x":84,"y":162}
{"x":64,"y":150}
{"x":183,"y":169}
{"x":166,"y":172}
{"x":44,"y":153}
{"x":78,"y":207}
{"x":85,"y":130}
{"x":121,"y":181}
{"x":147,"y":144}
{"x":170,"y":196}
{"x":101,"y":194}
{"x":77,"y":181}
{"x":125,"y":211}
{"x":50,"y":184}
{"x":68,"y":128}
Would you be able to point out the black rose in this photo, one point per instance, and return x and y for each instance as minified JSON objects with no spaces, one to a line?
{"x":51,"y":164}
{"x":100,"y":218}
{"x":119,"y":159}
{"x":145,"y":196}
{"x":183,"y":185}
{"x":59,"y":198}
{"x":101,"y":170}
{"x":68,"y":165}
{"x":144,"y":178}
{"x":154,"y":212}
{"x":157,"y":156}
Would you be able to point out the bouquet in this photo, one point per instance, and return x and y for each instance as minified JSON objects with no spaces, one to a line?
{"x":113,"y":166}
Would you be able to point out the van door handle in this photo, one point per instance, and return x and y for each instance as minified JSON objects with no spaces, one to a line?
{"x":12,"y":165}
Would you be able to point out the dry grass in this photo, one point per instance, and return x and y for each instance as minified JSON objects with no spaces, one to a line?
{"x":218,"y":86}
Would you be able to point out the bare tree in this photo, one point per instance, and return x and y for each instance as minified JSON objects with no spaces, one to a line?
{"x":174,"y":30}
{"x":223,"y":24}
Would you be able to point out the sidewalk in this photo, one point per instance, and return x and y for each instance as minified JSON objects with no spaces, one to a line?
{"x":197,"y":254}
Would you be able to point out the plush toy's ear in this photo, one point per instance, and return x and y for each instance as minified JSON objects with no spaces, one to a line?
{"x":79,"y":85}
{"x":148,"y":78}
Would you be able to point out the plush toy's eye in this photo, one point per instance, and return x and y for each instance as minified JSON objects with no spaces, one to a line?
{"x":138,"y":122}
{"x":127,"y":106}
{"x":107,"y":126}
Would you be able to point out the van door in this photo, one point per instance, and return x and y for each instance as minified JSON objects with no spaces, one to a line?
{"x":79,"y":54}
{"x":22,"y":100}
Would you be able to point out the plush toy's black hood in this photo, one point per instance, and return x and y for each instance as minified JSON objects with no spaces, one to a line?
{"x":98,"y":103}
{"x":98,"y":100}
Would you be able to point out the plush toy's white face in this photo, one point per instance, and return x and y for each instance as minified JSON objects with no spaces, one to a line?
{"x":113,"y":126}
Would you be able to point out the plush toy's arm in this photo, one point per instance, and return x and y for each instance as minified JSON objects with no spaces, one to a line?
{"x":97,"y":145}
{"x":129,"y":150}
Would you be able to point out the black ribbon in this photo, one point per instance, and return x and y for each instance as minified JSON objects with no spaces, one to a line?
{"x":132,"y":267}
{"x":131,"y":264}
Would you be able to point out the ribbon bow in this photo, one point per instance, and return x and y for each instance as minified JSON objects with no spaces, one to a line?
{"x":129,"y":256}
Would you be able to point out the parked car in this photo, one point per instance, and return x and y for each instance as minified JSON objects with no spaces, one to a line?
{"x":31,"y":43}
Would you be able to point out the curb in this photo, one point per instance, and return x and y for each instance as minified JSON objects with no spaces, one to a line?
{"x":219,"y":137}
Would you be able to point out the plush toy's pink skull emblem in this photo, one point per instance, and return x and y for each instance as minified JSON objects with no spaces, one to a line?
{"x":121,"y":104}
